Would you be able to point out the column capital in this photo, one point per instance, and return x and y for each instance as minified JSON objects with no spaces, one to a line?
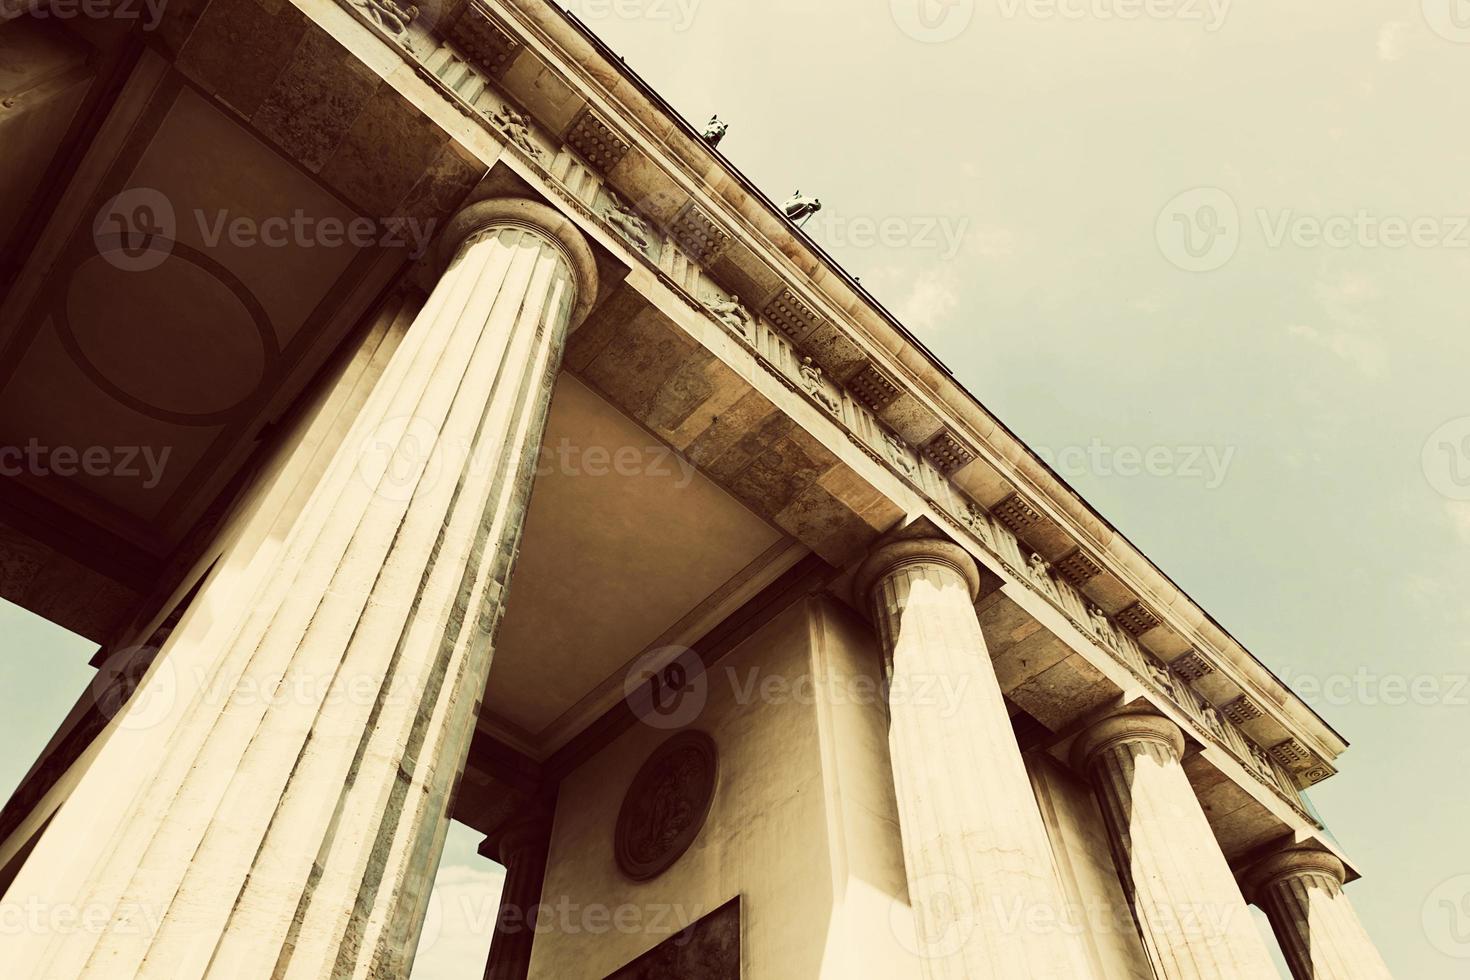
{"x":518,"y":212}
{"x":1290,"y":862}
{"x":1121,"y":728}
{"x":893,"y":555}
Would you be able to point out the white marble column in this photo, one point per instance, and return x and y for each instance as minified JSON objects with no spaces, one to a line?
{"x":1320,"y":935}
{"x":285,"y":821}
{"x":1193,"y":920}
{"x":982,"y":882}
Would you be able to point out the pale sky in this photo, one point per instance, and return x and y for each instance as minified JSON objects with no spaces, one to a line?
{"x":1229,"y":238}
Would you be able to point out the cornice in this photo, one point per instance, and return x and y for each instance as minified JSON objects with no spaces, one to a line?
{"x":615,"y":113}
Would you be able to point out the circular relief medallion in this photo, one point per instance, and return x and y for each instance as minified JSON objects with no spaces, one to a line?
{"x":666,"y":805}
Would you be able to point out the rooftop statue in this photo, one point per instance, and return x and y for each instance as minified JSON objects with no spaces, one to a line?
{"x":714,"y":130}
{"x":798,"y":207}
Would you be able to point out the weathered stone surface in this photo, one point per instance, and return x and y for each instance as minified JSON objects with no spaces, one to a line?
{"x":1194,"y":922}
{"x":967,"y":815}
{"x":239,"y":48}
{"x":594,"y":138}
{"x":1300,"y":891}
{"x":383,"y":154}
{"x":313,"y":103}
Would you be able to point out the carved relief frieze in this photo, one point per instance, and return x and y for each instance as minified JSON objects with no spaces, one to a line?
{"x":899,"y":454}
{"x":817,"y":386}
{"x":1039,"y":571}
{"x":515,"y":126}
{"x":666,"y":805}
{"x":730,"y":312}
{"x":628,"y":223}
{"x":1101,"y":626}
{"x":972,"y":516}
{"x":709,"y":949}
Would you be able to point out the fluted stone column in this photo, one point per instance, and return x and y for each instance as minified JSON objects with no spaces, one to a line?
{"x":1193,"y":920}
{"x":287,"y":819}
{"x":522,"y":850}
{"x":1319,"y":933}
{"x":987,"y":902}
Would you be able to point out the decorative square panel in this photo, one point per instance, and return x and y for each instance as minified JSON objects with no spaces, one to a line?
{"x":596,"y":141}
{"x":1315,"y":775}
{"x":947,"y":452}
{"x":1192,"y":666}
{"x":1076,"y":567}
{"x":1242,"y":710}
{"x":1290,"y":753}
{"x":1015,"y":513}
{"x":791,"y":315}
{"x":1137,"y":619}
{"x":697,"y":233}
{"x":873,"y":388}
{"x":482,"y":40}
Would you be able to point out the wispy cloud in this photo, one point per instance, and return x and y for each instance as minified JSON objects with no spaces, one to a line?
{"x":1364,"y":354}
{"x":1459,"y":514}
{"x":461,"y":919}
{"x":933,"y":297}
{"x":1391,"y":41}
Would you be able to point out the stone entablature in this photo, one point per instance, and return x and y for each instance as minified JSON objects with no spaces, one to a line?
{"x":810,"y":349}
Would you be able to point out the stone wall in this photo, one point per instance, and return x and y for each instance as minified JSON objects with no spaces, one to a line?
{"x":802,"y":826}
